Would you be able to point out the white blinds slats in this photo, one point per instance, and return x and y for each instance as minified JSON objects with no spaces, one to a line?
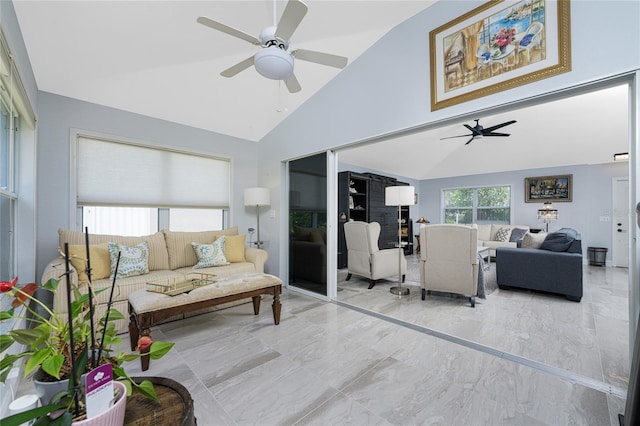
{"x":114,"y":173}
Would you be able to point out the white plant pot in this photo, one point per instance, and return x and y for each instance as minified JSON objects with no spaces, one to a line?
{"x":114,"y":415}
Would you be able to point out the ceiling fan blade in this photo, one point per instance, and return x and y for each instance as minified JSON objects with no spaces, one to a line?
{"x":496,"y":134}
{"x":320,"y":58}
{"x":292,"y":84}
{"x":240,"y":66}
{"x":469,"y":141}
{"x":497,"y":126}
{"x":451,"y":137}
{"x":228,"y":30}
{"x":474,"y":131}
{"x":291,"y":17}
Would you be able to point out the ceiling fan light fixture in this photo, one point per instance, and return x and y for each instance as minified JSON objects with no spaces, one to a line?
{"x":274,"y":63}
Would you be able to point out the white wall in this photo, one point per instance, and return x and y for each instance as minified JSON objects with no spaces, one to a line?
{"x":387,"y":88}
{"x":58,"y":115}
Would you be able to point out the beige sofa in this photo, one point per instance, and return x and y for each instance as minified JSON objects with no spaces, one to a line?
{"x":171,"y":255}
{"x":487,"y":236}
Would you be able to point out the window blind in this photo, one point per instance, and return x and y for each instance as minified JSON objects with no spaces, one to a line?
{"x":113,"y":173}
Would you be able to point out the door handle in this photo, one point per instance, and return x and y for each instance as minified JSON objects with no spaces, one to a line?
{"x":619,"y":224}
{"x":619,"y":230}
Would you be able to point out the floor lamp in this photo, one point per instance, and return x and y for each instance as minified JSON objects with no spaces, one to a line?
{"x":257,"y":197}
{"x":399,"y":196}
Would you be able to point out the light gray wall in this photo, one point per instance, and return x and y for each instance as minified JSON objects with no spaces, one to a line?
{"x":592,"y":199}
{"x":58,"y":115}
{"x":387,"y":88}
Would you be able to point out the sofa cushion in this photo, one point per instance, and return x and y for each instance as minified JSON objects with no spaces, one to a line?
{"x":99,"y":257}
{"x":560,"y":240}
{"x":533,"y":240}
{"x":517,"y":234}
{"x":210,"y":254}
{"x":158,"y":256}
{"x":179,"y":248}
{"x":234,"y":248}
{"x":484,"y":232}
{"x":134,"y":260}
{"x":503,"y":234}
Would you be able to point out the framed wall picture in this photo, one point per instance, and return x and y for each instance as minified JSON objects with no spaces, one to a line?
{"x":498,"y":46}
{"x":548,"y":189}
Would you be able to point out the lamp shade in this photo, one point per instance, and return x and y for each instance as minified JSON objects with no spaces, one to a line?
{"x":399,"y":195}
{"x":548,"y":213}
{"x":274,"y":63}
{"x":257,"y":197}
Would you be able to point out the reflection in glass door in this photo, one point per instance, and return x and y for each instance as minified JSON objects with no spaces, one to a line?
{"x":308,"y":223}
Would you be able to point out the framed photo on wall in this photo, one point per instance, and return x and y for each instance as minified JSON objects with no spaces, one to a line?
{"x":548,"y":189}
{"x":498,"y":46}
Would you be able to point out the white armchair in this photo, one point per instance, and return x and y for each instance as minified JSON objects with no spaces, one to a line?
{"x":449,"y":260}
{"x":365,"y":258}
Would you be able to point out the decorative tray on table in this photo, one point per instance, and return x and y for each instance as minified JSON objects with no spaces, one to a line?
{"x":177,"y":285}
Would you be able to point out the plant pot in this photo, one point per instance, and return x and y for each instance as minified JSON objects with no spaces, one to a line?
{"x":114,"y":415}
{"x":46,"y":390}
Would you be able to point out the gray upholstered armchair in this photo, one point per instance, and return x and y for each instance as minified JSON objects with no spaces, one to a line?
{"x":449,"y":260}
{"x":365,"y":258}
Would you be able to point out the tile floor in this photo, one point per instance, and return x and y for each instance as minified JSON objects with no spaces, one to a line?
{"x":329,"y":363}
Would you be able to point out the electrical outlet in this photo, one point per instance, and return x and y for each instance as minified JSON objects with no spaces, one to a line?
{"x":605,"y":219}
{"x":272,"y":214}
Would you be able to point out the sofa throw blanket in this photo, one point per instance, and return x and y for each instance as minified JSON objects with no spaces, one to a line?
{"x":560,"y":240}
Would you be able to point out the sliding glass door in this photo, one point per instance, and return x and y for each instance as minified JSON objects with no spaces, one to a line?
{"x":308,"y":223}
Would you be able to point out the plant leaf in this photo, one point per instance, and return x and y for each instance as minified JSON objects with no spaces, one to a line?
{"x":25,"y":416}
{"x":4,"y":315}
{"x":52,"y":365}
{"x":5,"y":342}
{"x":26,"y":336}
{"x":146,"y":388}
{"x":36,"y":360}
{"x":160,"y":349}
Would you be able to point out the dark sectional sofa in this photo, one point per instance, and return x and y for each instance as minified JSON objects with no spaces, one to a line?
{"x":554,"y":268}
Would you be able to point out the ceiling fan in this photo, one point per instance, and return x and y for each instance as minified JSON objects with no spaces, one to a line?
{"x":478,"y":132}
{"x":273,"y":60}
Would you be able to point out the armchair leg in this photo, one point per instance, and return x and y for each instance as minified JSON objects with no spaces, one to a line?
{"x":472,"y":300}
{"x":403,"y":277}
{"x":371,"y":284}
{"x":348,"y":277}
{"x":424,"y":293}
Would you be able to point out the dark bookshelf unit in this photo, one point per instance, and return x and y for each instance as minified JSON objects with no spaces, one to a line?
{"x":361,"y":197}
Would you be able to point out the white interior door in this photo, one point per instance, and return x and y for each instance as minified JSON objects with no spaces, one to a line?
{"x":620,"y":222}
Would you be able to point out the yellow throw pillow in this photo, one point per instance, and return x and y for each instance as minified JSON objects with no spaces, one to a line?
{"x":234,"y":248}
{"x":100,"y":261}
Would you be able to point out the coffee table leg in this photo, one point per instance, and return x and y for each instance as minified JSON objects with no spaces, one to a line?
{"x":277,"y":307}
{"x":134,"y":332}
{"x":145,"y":358}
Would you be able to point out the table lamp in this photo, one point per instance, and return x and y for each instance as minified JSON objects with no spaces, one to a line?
{"x":257,"y":197}
{"x":547,"y":214}
{"x":399,"y":196}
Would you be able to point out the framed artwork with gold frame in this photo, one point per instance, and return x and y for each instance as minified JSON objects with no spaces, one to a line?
{"x":498,"y":46}
{"x":548,"y":189}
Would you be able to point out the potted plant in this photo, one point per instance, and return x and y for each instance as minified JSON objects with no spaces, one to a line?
{"x":52,"y":347}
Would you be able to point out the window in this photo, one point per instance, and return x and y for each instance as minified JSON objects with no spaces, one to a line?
{"x":135,"y":190}
{"x":478,"y":205}
{"x":8,"y":192}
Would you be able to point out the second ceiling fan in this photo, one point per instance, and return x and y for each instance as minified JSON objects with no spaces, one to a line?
{"x":478,"y":131}
{"x":274,"y":61}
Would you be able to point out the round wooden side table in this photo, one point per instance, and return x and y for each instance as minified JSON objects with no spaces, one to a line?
{"x":174,"y":405}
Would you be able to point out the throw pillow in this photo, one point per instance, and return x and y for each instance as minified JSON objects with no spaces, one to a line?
{"x":210,"y":254}
{"x":533,"y":241}
{"x":234,"y":248}
{"x":560,"y":240}
{"x":133,"y":260}
{"x":503,"y":234}
{"x":99,"y":257}
{"x":517,"y":234}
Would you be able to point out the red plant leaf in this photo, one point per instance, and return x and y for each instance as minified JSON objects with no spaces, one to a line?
{"x":27,"y":292}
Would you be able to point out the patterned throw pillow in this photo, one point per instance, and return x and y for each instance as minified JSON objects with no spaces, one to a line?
{"x":210,"y":254}
{"x":133,"y":260}
{"x":503,"y":234}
